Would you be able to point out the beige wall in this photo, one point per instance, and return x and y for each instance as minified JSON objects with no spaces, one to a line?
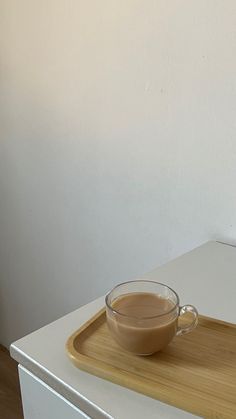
{"x":117,"y":148}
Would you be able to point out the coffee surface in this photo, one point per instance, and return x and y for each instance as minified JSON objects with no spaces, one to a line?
{"x":145,"y":322}
{"x":142,"y":305}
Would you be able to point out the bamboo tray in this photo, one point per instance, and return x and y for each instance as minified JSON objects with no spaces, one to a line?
{"x":196,"y":373}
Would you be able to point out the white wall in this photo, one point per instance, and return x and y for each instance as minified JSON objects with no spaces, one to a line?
{"x":118,"y":147}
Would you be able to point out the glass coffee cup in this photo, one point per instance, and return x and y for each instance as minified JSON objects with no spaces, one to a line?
{"x":142,"y":316}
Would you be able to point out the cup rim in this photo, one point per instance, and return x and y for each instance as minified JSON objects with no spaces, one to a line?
{"x":135,"y":317}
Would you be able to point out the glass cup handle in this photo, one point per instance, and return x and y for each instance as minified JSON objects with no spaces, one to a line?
{"x":188,"y":328}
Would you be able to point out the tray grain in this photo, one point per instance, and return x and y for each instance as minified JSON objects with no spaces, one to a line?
{"x":196,"y":373}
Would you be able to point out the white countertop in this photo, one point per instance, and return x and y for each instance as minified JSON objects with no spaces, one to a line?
{"x":205,"y":277}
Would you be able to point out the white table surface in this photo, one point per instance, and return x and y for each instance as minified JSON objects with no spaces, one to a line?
{"x":205,"y":277}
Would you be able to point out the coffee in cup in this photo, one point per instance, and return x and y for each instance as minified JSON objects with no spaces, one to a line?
{"x":142,"y":316}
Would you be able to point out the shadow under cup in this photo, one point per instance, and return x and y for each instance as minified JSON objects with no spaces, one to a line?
{"x":142,"y":316}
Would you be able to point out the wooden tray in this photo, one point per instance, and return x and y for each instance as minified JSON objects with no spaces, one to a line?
{"x":196,"y":373}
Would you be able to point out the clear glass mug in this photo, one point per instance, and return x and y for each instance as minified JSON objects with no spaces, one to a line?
{"x":138,"y":330}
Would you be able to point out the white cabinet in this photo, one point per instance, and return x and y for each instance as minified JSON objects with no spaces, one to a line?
{"x":194,"y":275}
{"x":41,"y":402}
